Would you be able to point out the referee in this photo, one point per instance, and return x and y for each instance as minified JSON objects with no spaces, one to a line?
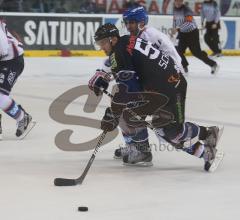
{"x":211,"y":14}
{"x":188,"y":36}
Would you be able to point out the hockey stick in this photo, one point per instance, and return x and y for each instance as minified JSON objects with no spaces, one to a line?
{"x":79,"y":180}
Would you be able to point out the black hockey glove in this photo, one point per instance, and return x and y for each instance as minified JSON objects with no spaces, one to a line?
{"x":109,"y":121}
{"x":99,"y":82}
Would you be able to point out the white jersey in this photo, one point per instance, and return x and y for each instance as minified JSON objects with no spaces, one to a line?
{"x":10,"y":47}
{"x":161,"y":41}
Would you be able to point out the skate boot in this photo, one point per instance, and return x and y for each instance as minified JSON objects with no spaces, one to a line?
{"x":138,"y":158}
{"x":185,"y":69}
{"x":211,"y":158}
{"x":214,"y":55}
{"x":23,"y":124}
{"x":121,"y":152}
{"x":214,"y":69}
{"x":208,"y":156}
{"x":139,"y":155}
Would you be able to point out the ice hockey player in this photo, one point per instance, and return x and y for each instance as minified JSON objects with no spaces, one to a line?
{"x":137,"y":65}
{"x":11,"y":67}
{"x":188,"y":36}
{"x":136,"y":20}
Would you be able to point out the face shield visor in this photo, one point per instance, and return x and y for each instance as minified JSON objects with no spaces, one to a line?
{"x":99,"y":44}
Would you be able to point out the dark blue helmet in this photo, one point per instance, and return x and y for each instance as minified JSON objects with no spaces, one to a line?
{"x":106,"y":30}
{"x":136,"y":14}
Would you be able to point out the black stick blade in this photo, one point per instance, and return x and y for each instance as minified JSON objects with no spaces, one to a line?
{"x":64,"y":182}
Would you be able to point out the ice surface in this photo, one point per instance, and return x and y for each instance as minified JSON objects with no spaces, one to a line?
{"x":175,"y":188}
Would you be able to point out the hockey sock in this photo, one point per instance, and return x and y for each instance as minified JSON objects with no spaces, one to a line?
{"x":136,"y":135}
{"x":191,"y":136}
{"x":195,"y":150}
{"x":10,"y":107}
{"x":187,"y":134}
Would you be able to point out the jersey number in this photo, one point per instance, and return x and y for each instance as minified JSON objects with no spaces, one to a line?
{"x":151,"y":52}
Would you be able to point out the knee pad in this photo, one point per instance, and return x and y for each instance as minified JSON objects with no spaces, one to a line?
{"x":5,"y":101}
{"x":9,"y":106}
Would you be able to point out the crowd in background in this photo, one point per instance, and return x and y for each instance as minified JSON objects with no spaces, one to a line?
{"x":228,"y":8}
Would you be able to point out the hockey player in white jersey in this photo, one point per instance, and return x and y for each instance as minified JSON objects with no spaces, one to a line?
{"x":136,"y":20}
{"x":11,"y":67}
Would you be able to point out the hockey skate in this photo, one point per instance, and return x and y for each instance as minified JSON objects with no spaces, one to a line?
{"x":138,"y":158}
{"x":24,"y":126}
{"x":216,"y":55}
{"x":121,"y":152}
{"x":185,"y":70}
{"x":212,"y":156}
{"x":214,"y":69}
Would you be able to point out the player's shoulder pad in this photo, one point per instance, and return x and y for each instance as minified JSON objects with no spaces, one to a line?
{"x":151,"y":30}
{"x":122,"y":41}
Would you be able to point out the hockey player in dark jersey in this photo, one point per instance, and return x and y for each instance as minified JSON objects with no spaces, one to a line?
{"x":188,"y":36}
{"x":137,"y":65}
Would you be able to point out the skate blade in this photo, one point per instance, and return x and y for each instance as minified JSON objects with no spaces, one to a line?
{"x":27,"y":131}
{"x":117,"y":158}
{"x":220,"y":132}
{"x":139,"y":164}
{"x":218,"y":158}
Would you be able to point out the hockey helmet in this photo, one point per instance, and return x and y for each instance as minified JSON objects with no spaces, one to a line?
{"x":138,"y":14}
{"x":105,"y":31}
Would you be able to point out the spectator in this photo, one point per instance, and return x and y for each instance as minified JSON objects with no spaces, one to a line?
{"x":11,"y":5}
{"x":62,"y":8}
{"x":40,"y":6}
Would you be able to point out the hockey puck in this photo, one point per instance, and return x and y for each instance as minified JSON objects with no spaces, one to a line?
{"x":82,"y":209}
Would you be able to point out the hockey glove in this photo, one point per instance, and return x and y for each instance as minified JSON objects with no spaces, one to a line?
{"x":109,"y":121}
{"x":99,"y":82}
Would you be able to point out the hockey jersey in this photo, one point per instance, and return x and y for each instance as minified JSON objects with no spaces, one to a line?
{"x":161,"y":41}
{"x":10,"y":47}
{"x":156,"y":70}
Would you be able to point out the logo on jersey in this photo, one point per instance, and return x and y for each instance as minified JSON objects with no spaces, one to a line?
{"x":113,"y":62}
{"x":2,"y":77}
{"x":14,"y":111}
{"x":11,"y":78}
{"x":174,"y":78}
